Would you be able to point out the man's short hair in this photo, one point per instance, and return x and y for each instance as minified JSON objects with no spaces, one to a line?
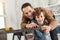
{"x":25,"y":5}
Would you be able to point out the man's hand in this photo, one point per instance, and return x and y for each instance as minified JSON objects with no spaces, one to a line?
{"x":31,"y":25}
{"x":46,"y":29}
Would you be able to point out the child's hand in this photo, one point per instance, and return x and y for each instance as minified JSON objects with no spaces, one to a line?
{"x":46,"y":29}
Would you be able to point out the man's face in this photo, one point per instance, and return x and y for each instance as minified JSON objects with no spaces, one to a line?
{"x":40,"y":18}
{"x":28,"y":12}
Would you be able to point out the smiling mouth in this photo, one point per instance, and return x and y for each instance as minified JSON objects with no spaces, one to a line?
{"x":41,"y":20}
{"x":31,"y":17}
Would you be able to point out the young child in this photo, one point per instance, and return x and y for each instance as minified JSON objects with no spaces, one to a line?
{"x":40,"y":34}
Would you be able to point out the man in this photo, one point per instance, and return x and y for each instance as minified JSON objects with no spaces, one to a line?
{"x":28,"y":14}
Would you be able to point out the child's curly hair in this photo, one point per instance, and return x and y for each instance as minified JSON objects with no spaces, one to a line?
{"x":38,"y":12}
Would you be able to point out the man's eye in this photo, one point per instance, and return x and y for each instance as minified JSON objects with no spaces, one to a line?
{"x":30,"y":11}
{"x":41,"y":16}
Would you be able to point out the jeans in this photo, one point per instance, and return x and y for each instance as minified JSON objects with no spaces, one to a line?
{"x":53,"y":34}
{"x":39,"y":35}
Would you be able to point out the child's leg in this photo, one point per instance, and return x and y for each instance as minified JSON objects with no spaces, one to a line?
{"x":38,"y":35}
{"x":41,"y":35}
{"x":47,"y":36}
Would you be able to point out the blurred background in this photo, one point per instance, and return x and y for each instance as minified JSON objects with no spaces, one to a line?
{"x":11,"y":14}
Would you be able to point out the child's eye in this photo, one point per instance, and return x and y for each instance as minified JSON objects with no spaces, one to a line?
{"x":37,"y":17}
{"x":26,"y":13}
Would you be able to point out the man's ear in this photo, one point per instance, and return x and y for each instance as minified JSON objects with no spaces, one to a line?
{"x":36,"y":18}
{"x":44,"y":17}
{"x":33,"y":9}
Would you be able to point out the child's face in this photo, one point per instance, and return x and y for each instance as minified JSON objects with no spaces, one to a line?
{"x":40,"y":18}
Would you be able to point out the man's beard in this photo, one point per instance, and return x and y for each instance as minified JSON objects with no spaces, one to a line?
{"x":31,"y":17}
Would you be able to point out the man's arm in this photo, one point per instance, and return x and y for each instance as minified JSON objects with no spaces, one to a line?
{"x":24,"y":22}
{"x":49,"y":17}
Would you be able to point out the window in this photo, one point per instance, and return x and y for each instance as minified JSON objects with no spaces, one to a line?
{"x":2,"y":25}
